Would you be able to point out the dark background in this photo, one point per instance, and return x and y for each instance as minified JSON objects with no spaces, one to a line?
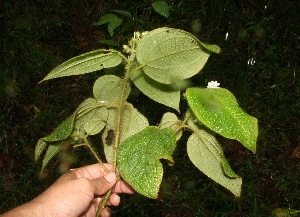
{"x":259,"y":63}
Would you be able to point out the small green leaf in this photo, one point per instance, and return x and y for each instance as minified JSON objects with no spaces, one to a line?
{"x":91,"y":116}
{"x":218,"y":109}
{"x":109,"y":88}
{"x":161,"y":93}
{"x":106,"y":18}
{"x":63,"y":130}
{"x":206,"y":154}
{"x":112,"y":20}
{"x":227,"y":169}
{"x":86,"y":63}
{"x":168,"y":55}
{"x":122,"y":12}
{"x":211,"y":47}
{"x":112,"y":25}
{"x":131,"y":122}
{"x":162,"y":8}
{"x":170,"y":120}
{"x":111,"y":43}
{"x":39,"y":148}
{"x":52,"y":150}
{"x":139,"y":159}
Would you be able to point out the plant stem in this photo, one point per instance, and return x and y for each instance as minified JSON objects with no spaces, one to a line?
{"x":88,"y":144}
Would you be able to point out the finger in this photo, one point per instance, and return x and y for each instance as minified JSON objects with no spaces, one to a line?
{"x":92,"y":171}
{"x":106,"y":212}
{"x":104,"y":184}
{"x":123,"y":187}
{"x":114,"y":199}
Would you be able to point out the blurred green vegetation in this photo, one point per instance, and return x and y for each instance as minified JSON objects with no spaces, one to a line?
{"x":259,"y":63}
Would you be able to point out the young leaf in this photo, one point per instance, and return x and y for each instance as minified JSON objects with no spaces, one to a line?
{"x":112,"y":20}
{"x":170,"y":120}
{"x":139,"y":159}
{"x":161,"y":93}
{"x":162,"y":8}
{"x":110,"y":88}
{"x":86,"y":63}
{"x":168,"y":55}
{"x":111,"y":43}
{"x":211,"y":47}
{"x":206,"y":154}
{"x":122,"y":12}
{"x":218,"y":109}
{"x":52,"y":150}
{"x":91,"y":117}
{"x":131,"y":122}
{"x":63,"y":130}
{"x":39,"y":148}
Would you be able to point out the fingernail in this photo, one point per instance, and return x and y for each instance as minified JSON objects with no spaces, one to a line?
{"x":110,"y":177}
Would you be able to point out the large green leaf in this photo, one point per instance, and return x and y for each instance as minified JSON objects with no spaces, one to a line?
{"x":161,"y":93}
{"x":168,"y":55}
{"x":86,"y":63}
{"x":110,"y":88}
{"x":218,"y":109}
{"x":63,"y":130}
{"x":139,"y":159}
{"x":131,"y":122}
{"x":206,"y":154}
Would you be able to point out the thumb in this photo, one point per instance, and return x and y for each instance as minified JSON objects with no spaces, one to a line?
{"x":104,"y":184}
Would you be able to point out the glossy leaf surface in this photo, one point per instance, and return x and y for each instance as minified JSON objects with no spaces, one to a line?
{"x":218,"y":109}
{"x":170,"y":120}
{"x":131,"y":122}
{"x":139,"y":159}
{"x":63,"y":130}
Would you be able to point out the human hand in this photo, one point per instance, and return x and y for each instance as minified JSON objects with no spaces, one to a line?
{"x":77,"y":193}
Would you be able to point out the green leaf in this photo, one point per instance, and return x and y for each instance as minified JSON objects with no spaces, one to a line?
{"x":211,"y":47}
{"x":131,"y":122}
{"x":168,"y":55}
{"x":206,"y":154}
{"x":122,"y":12}
{"x":111,"y":43}
{"x":52,"y":150}
{"x":109,"y":88}
{"x":218,"y":109}
{"x":86,"y":63}
{"x":39,"y":148}
{"x":162,"y":8}
{"x":161,"y":93}
{"x":112,"y":20}
{"x":227,"y":169}
{"x":170,"y":120}
{"x":91,"y":116}
{"x":63,"y":130}
{"x":139,"y":159}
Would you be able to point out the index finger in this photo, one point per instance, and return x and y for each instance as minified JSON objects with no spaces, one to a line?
{"x":93,"y":171}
